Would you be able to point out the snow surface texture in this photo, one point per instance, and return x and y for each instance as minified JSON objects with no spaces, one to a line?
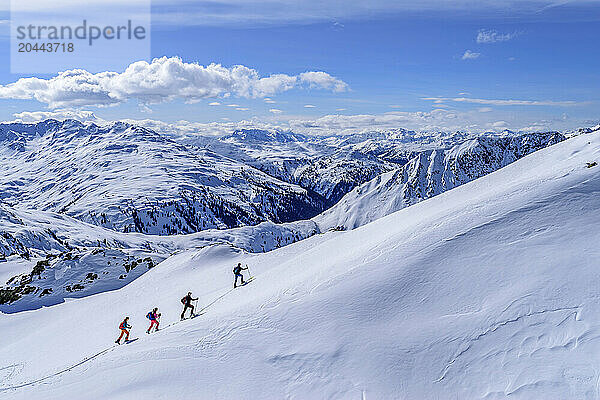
{"x":489,"y":290}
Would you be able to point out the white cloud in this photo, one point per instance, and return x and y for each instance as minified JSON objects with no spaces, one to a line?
{"x":322,"y":80}
{"x":438,"y":120}
{"x":269,"y":100}
{"x":485,"y":109}
{"x":328,"y":124}
{"x":36,"y":116}
{"x":214,"y":103}
{"x":499,"y":124}
{"x":435,"y":120}
{"x":340,"y":109}
{"x":338,"y":26}
{"x":504,"y":102}
{"x":145,"y":109}
{"x":493,"y":36}
{"x":162,"y":80}
{"x":242,"y":109}
{"x":233,"y":105}
{"x":309,"y":106}
{"x":470,"y":55}
{"x":275,"y":111}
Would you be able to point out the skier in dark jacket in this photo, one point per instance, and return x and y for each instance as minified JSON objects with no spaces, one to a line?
{"x":237,"y":271}
{"x":124,"y":327}
{"x":154,"y":317}
{"x":187,"y":303}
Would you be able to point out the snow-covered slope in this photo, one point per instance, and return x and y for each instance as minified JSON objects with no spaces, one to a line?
{"x":429,"y":173}
{"x":488,"y":290}
{"x":46,"y":257}
{"x":132,"y":179}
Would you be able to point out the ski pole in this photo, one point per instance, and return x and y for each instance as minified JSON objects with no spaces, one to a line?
{"x":248,"y":268}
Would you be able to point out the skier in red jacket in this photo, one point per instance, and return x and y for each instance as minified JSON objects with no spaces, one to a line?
{"x":124,"y":327}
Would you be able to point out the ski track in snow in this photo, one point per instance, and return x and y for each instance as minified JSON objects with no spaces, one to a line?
{"x":202,"y":311}
{"x":68,"y":369}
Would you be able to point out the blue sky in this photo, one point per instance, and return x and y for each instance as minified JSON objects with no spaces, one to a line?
{"x":417,"y":65}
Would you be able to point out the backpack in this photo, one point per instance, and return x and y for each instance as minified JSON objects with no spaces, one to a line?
{"x":237,"y":270}
{"x":149,"y":315}
{"x":184,"y":300}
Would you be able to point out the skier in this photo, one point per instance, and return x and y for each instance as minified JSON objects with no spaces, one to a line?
{"x":154,"y":317}
{"x":237,"y":271}
{"x":187,"y":303}
{"x":124,"y":327}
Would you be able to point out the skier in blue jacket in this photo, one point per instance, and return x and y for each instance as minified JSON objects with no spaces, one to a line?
{"x":154,"y":317}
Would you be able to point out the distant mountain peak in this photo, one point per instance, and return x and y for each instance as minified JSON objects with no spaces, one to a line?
{"x":261,"y":135}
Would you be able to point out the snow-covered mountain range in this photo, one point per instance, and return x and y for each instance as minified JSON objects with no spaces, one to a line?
{"x":86,"y":208}
{"x":132,"y":179}
{"x":332,"y":166}
{"x":429,"y":173}
{"x":322,"y":165}
{"x":485,"y":291}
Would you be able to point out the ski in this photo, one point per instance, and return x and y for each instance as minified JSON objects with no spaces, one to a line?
{"x":246,"y":282}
